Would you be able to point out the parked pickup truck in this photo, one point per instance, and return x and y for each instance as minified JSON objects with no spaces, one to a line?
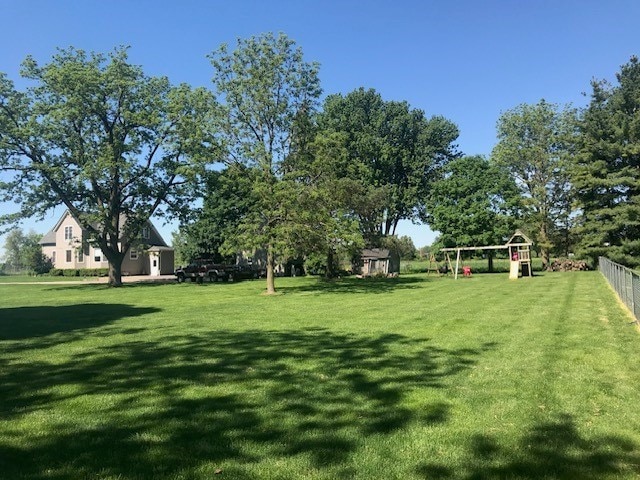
{"x":203,"y":269}
{"x":206,"y":269}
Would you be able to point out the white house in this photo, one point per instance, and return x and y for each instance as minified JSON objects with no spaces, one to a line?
{"x":67,"y":247}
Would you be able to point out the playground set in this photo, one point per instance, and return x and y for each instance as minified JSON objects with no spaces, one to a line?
{"x":519,"y":249}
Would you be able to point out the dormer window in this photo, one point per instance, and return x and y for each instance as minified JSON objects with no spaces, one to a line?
{"x":145,"y":232}
{"x":68,"y":232}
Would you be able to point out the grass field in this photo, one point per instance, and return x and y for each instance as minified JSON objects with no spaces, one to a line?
{"x":41,"y":279}
{"x":418,"y":377}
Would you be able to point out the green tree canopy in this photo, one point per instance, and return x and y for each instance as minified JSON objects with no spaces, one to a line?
{"x":535,"y":143}
{"x":393,"y":151}
{"x":476,"y":203}
{"x":23,"y":252}
{"x":266,"y":86}
{"x":607,"y":170}
{"x":95,"y":134}
{"x":228,"y":198}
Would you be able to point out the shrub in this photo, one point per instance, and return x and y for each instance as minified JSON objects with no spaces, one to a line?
{"x":79,"y":272}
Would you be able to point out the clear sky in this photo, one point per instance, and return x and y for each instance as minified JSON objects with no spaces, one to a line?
{"x":468,"y":60}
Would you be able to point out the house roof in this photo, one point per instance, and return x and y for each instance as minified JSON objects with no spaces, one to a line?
{"x":50,"y":237}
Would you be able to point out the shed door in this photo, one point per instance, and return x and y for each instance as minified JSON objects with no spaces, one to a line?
{"x":154,"y":259}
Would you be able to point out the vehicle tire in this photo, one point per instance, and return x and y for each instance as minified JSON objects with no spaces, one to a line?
{"x":180,"y":278}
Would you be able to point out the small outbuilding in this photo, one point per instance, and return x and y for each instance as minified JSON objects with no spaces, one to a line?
{"x":379,"y":261}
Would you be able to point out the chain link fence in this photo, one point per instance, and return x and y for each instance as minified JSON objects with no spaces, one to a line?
{"x":624,"y":281}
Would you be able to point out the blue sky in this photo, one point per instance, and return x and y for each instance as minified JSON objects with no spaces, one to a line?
{"x":467,"y":60}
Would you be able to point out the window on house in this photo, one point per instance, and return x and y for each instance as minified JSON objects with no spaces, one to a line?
{"x":97,"y":255}
{"x":80,"y":256}
{"x":145,"y":232}
{"x":69,"y":256}
{"x":133,"y":254}
{"x":68,"y":232}
{"x":53,"y":257}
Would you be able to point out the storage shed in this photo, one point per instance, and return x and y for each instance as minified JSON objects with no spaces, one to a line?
{"x":379,"y":261}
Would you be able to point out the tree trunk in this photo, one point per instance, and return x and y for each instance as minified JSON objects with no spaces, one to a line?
{"x":545,"y":247}
{"x":115,"y":274}
{"x":331,"y":270}
{"x":546,"y":256}
{"x":271,"y":286}
{"x":490,"y":261}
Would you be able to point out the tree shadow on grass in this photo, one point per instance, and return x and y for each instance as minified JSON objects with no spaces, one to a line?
{"x":553,"y":449}
{"x":105,"y":286}
{"x":357,"y":285}
{"x":248,"y":402}
{"x":19,"y":323}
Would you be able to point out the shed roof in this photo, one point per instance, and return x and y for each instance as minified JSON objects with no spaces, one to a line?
{"x":376,"y":253}
{"x":160,"y":248}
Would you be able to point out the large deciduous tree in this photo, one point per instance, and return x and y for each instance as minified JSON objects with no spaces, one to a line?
{"x":24,"y":254}
{"x":535,"y":143}
{"x":607,"y":170}
{"x":97,"y":135}
{"x":228,"y":199}
{"x":476,"y":203}
{"x":266,"y":86}
{"x":394,"y":151}
{"x":325,"y":223}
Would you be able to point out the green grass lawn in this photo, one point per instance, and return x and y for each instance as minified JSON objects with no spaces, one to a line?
{"x":41,"y":279}
{"x":419,"y":377}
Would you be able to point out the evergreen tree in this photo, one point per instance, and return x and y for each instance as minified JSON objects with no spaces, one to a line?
{"x":606,"y":175}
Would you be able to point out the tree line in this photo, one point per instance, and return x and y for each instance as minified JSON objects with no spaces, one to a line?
{"x":279,"y":170}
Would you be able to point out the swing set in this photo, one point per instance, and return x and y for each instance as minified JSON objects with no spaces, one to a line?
{"x":518,"y":246}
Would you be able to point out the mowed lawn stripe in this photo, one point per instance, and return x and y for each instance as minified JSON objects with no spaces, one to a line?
{"x":415,"y":377}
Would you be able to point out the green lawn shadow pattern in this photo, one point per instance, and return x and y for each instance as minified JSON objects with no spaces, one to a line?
{"x":308,"y":400}
{"x":553,"y":449}
{"x":358,"y":285}
{"x":41,"y":321}
{"x":270,"y":403}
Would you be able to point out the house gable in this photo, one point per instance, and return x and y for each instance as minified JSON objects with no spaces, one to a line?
{"x":67,"y":246}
